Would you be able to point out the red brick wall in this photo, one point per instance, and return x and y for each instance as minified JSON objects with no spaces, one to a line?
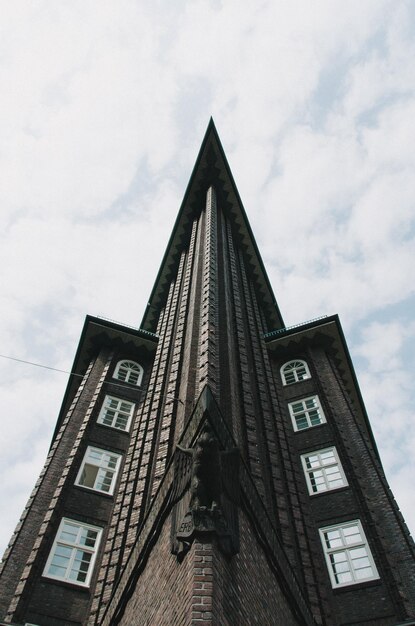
{"x":163,"y":594}
{"x":207,"y":588}
{"x":246,"y":591}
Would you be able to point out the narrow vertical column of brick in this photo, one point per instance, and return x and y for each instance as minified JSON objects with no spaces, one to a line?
{"x":271,"y":444}
{"x":171,"y":399}
{"x":208,"y":340}
{"x":254,"y":381}
{"x":202,"y":598}
{"x":64,"y":448}
{"x":228,"y":290}
{"x":247,"y":423}
{"x":129,"y":488}
{"x":394,"y":546}
{"x":135,"y":492}
{"x":188,"y":316}
{"x":292,"y":521}
{"x":282,"y":469}
{"x":269,"y":460}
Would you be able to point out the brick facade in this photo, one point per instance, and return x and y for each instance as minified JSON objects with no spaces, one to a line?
{"x":212,"y":344}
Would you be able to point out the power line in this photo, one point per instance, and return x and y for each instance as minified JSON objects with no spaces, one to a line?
{"x":108,"y":382}
{"x":46,"y":367}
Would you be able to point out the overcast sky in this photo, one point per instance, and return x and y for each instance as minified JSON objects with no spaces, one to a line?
{"x":103,"y":108}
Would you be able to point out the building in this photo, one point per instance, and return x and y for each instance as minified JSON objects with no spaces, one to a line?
{"x":212,"y":467}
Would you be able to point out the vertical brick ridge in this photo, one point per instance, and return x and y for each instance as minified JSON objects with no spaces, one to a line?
{"x":247,"y":422}
{"x":185,"y":366}
{"x":133,"y":491}
{"x":293,"y":524}
{"x":380,"y":510}
{"x":208,"y":340}
{"x":230,"y":316}
{"x":255,"y":430}
{"x":272,"y":450}
{"x":202,"y":596}
{"x":267,"y":431}
{"x":190,"y":365}
{"x":162,"y":443}
{"x":45,"y":528}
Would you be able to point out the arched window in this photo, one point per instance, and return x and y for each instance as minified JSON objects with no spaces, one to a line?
{"x":129,"y":372}
{"x":294,"y":371}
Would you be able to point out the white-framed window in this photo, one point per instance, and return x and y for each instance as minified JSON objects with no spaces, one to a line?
{"x":323,"y":470}
{"x":348,"y":556}
{"x":294,"y":372}
{"x":73,"y":553}
{"x":99,"y":470}
{"x":306,"y":413}
{"x":129,"y":372}
{"x":116,"y":413}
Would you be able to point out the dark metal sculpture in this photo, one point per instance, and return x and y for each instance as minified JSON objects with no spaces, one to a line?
{"x":206,"y":494}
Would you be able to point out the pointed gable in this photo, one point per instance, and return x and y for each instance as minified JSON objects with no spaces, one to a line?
{"x":212,"y":168}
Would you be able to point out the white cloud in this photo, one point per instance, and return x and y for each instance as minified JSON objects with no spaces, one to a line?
{"x":386,"y":380}
{"x":102,"y":112}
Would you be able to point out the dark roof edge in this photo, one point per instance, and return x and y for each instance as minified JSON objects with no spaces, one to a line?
{"x":211,"y":126}
{"x":323,"y":321}
{"x":247,"y":224}
{"x":136,"y":332}
{"x":211,"y":130}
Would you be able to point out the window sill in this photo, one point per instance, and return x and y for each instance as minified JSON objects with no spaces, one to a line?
{"x":64,"y":583}
{"x":109,"y":496}
{"x":357,"y":586}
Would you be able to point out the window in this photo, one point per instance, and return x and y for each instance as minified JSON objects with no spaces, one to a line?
{"x":294,"y":371}
{"x":129,"y":372}
{"x":73,"y":552}
{"x":99,"y":470}
{"x":323,"y":470}
{"x":306,"y":413}
{"x":347,"y":553}
{"x":116,"y":413}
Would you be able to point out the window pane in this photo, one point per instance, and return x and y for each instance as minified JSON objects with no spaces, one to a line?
{"x":361,"y":574}
{"x":80,"y":566}
{"x":56,"y":570}
{"x":289,"y":377}
{"x":327,"y":457}
{"x":88,"y":537}
{"x":128,"y":371}
{"x":344,"y":578}
{"x":116,"y":413}
{"x":314,"y":417}
{"x":317,"y":481}
{"x":69,"y":533}
{"x":88,"y":476}
{"x":70,"y":561}
{"x":133,"y":377}
{"x":323,"y":469}
{"x":312,"y":461}
{"x":352,"y":535}
{"x":301,"y":422}
{"x":297,"y":406}
{"x":347,"y":565}
{"x":333,"y":539}
{"x":121,"y":422}
{"x":104,"y":480}
{"x":294,"y":371}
